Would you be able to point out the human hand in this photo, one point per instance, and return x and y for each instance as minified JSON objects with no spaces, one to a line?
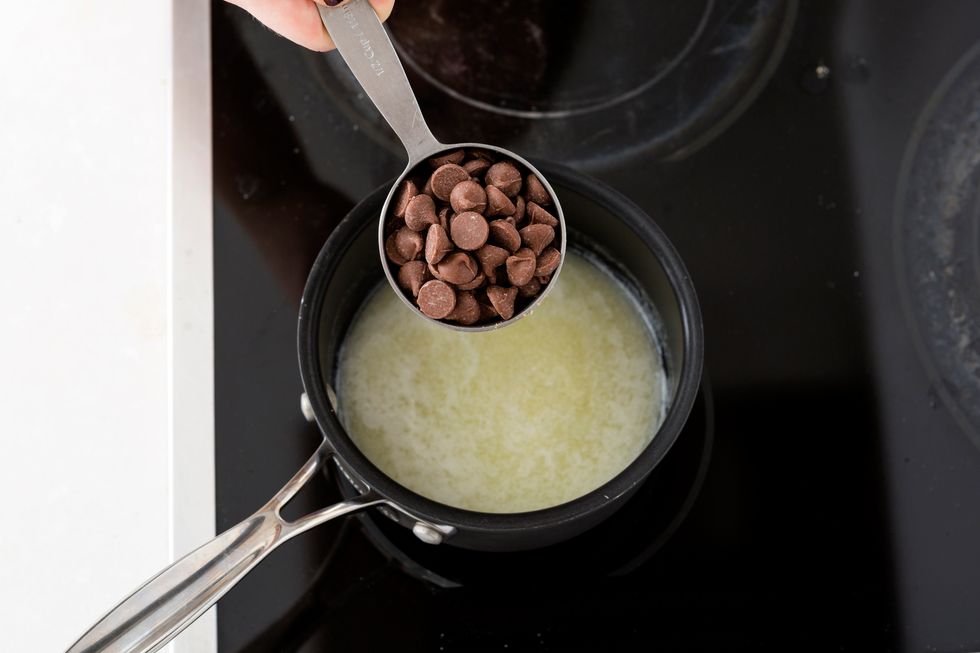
{"x":299,"y":21}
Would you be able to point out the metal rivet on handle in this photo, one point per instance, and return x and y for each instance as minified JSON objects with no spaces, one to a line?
{"x":426,"y":533}
{"x":307,"y":408}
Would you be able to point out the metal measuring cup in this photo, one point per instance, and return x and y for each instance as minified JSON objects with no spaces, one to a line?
{"x":364,"y":45}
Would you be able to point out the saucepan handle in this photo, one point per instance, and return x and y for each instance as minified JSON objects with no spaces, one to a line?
{"x":170,"y":601}
{"x":363,"y":43}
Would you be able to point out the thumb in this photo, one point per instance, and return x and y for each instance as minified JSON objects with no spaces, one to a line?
{"x":299,"y":21}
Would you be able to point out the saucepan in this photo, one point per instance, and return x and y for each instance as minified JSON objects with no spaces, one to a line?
{"x":597,"y":219}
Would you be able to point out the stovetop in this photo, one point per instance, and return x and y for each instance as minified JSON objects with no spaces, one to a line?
{"x":817,"y":165}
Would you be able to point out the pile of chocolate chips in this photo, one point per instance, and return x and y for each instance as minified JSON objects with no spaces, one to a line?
{"x":472,"y":241}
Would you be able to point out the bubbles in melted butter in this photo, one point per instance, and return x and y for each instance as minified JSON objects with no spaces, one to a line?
{"x":527,"y":417}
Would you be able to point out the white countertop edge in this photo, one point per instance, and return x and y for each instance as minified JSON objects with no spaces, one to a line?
{"x":106,"y":359}
{"x":191,"y":301}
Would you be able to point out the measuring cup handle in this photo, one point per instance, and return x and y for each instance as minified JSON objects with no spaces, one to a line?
{"x":170,"y":601}
{"x":363,"y":43}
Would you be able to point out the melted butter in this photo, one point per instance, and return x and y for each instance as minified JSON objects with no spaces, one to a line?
{"x":528,"y":417}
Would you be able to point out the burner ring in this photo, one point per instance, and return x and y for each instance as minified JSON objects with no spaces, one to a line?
{"x":498,"y":102}
{"x":727,"y":52}
{"x":937,"y":240}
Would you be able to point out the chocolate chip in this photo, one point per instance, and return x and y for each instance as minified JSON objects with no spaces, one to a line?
{"x":408,"y":243}
{"x":437,"y":244}
{"x":519,"y":208}
{"x":412,"y":275}
{"x":502,"y":300}
{"x":487,"y":311}
{"x":468,"y":196}
{"x":547,"y":263}
{"x":530,"y":289}
{"x":437,"y":299}
{"x":467,"y":310}
{"x":506,"y":177}
{"x":536,"y":192}
{"x":486,"y":155}
{"x":445,"y":217}
{"x":434,"y":272}
{"x":521,"y":267}
{"x":406,"y":191}
{"x":457,"y":268}
{"x":540,"y":216}
{"x":505,"y":234}
{"x":392,"y":250}
{"x":455,"y":156}
{"x":491,"y":257}
{"x":476,"y":167}
{"x":394,"y":225}
{"x":537,"y":237}
{"x":498,"y":203}
{"x":420,"y":213}
{"x":445,"y":178}
{"x":469,"y":230}
{"x":427,"y":188}
{"x":476,"y":283}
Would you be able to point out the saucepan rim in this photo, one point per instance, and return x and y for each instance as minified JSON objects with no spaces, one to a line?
{"x":354,"y":461}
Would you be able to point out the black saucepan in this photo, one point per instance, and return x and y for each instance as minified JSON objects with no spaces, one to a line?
{"x":598,"y":219}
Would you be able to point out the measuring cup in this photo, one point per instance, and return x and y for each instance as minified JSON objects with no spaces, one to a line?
{"x":365,"y":47}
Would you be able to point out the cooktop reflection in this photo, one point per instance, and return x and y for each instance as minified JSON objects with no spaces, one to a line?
{"x":815,"y":165}
{"x":579,"y":82}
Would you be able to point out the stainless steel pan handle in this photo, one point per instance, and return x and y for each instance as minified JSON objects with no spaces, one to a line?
{"x":170,"y":601}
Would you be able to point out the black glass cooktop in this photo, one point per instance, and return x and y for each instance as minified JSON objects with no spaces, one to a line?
{"x":817,"y":165}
